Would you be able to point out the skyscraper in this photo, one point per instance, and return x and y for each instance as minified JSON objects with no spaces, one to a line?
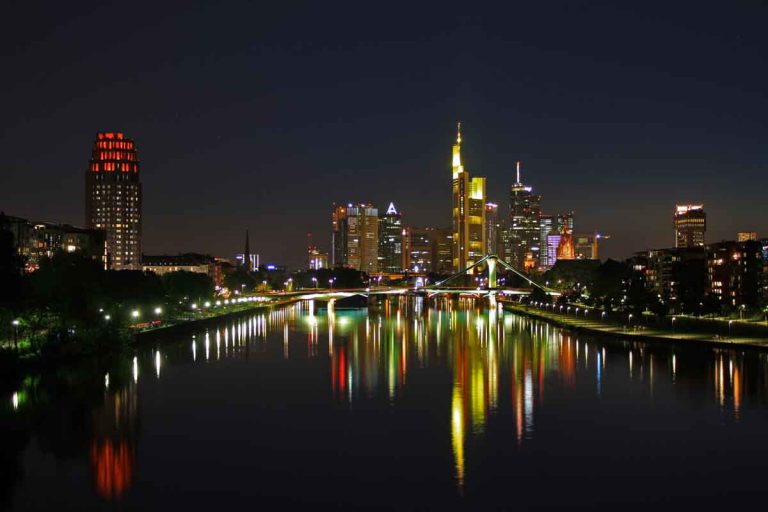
{"x":690,"y":225}
{"x":525,"y":229}
{"x":391,"y":240}
{"x":468,"y":213}
{"x":564,"y":221}
{"x":491,"y":228}
{"x":420,"y":243}
{"x":546,"y":226}
{"x":339,"y":236}
{"x":363,"y":237}
{"x":113,"y":198}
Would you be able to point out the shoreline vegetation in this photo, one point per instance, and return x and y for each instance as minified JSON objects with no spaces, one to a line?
{"x":674,"y":329}
{"x":124,"y":338}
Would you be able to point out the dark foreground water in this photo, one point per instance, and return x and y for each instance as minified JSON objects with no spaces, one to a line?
{"x":397,"y":407}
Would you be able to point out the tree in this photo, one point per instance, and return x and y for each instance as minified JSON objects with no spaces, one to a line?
{"x":182,"y":284}
{"x":240,"y":279}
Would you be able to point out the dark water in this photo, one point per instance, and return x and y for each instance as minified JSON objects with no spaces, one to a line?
{"x":400,"y":407}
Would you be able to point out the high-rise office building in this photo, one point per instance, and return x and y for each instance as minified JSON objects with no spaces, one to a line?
{"x":468,"y":213}
{"x":113,"y":198}
{"x":391,"y":240}
{"x":564,"y":221}
{"x":442,"y":251}
{"x":546,"y":226}
{"x":553,"y":242}
{"x":525,"y":230}
{"x":362,"y":237}
{"x":492,"y":235}
{"x":420,"y":249}
{"x":339,"y":236}
{"x":690,"y":225}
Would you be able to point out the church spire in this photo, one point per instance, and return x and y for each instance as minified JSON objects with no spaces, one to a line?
{"x":247,"y":253}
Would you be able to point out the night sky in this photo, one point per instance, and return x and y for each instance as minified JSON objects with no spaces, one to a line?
{"x":260,"y":115}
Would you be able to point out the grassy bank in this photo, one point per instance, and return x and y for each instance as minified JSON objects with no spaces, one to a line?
{"x":114,"y":341}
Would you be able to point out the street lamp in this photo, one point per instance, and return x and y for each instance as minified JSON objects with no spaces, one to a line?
{"x":330,"y":282}
{"x":673,"y":323}
{"x":314,"y":280}
{"x":741,"y":311}
{"x":107,"y":317}
{"x":630,"y":319}
{"x":15,"y":324}
{"x":158,"y":311}
{"x":135,"y":313}
{"x":602,"y":316}
{"x":729,"y":327}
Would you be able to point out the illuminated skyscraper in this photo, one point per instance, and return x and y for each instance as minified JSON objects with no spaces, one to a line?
{"x":113,"y":198}
{"x":690,"y":225}
{"x":525,"y":229}
{"x":492,"y":234}
{"x":363,"y":237}
{"x":339,"y":236}
{"x":546,"y":226}
{"x":420,"y":244}
{"x":564,"y":221}
{"x":391,"y":240}
{"x":468,"y":213}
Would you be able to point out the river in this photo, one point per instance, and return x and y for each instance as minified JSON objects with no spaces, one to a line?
{"x":400,"y":406}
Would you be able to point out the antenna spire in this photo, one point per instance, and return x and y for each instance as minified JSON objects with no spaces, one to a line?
{"x":458,"y":132}
{"x":518,"y":172}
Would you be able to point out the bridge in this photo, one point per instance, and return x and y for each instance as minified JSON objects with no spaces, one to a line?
{"x":490,"y":289}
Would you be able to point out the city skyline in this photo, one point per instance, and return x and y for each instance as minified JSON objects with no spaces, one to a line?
{"x":618,"y":143}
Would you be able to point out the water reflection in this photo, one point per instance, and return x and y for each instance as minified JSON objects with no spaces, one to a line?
{"x":501,"y":372}
{"x":112,"y":448}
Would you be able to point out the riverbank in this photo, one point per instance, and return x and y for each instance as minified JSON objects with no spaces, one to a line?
{"x":14,"y":368}
{"x":196,"y":323}
{"x":639,"y":332}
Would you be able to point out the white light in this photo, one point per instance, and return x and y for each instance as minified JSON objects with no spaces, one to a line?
{"x":135,"y":313}
{"x":158,"y":310}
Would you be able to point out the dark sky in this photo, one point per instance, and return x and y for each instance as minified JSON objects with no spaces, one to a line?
{"x":261,"y":115}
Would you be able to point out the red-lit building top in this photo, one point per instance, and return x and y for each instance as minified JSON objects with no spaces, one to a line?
{"x":112,"y":152}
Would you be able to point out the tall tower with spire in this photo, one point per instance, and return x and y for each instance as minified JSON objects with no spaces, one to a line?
{"x":524,"y":225}
{"x":468,"y":212}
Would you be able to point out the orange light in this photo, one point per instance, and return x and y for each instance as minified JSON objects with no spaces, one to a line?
{"x":112,"y":462}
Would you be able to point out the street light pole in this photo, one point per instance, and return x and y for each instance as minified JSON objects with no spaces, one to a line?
{"x":15,"y":335}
